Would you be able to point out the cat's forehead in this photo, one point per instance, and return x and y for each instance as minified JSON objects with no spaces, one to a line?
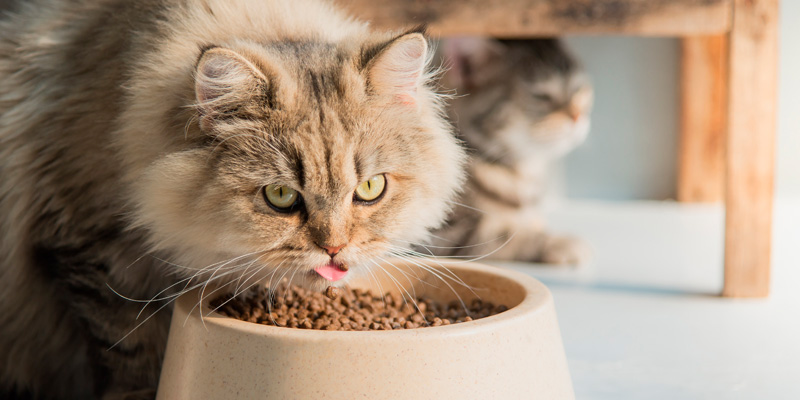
{"x":555,"y":83}
{"x":329,"y":135}
{"x":330,"y":155}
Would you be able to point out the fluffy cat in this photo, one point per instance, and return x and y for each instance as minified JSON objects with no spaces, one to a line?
{"x":144,"y":143}
{"x":521,"y":105}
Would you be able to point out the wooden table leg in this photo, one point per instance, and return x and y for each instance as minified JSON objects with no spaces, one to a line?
{"x":750,"y":149}
{"x":703,"y":97}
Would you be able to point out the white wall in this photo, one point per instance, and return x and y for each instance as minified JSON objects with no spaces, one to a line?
{"x":788,"y":178}
{"x":631,"y":151}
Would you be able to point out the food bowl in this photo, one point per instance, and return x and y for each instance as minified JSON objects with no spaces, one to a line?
{"x":517,"y":354}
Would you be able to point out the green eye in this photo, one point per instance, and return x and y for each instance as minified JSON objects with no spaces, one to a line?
{"x":281,"y":198}
{"x":371,"y":189}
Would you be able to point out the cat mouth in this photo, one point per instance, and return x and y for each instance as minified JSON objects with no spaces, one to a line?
{"x":332,"y":272}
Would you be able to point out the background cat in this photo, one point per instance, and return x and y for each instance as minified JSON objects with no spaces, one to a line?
{"x":520,"y":105}
{"x":156,"y":145}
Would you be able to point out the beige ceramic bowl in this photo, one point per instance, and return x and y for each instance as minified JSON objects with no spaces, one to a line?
{"x":517,"y":354}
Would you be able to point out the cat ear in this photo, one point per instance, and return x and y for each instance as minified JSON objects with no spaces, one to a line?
{"x":398,"y":69}
{"x":472,"y":60}
{"x":225,"y":81}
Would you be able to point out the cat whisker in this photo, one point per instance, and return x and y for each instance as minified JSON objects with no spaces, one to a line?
{"x":413,"y":295}
{"x":211,"y":278}
{"x":237,"y":293}
{"x":271,"y":294}
{"x":156,"y":297}
{"x":402,"y":290}
{"x":280,"y":280}
{"x":418,"y":278}
{"x":467,"y":258}
{"x":203,"y":296}
{"x":466,"y":206}
{"x":167,"y":303}
{"x":489,"y":254}
{"x":245,"y":271}
{"x":454,"y":277}
{"x":378,"y":283}
{"x":446,"y":272}
{"x":429,"y":246}
{"x":289,"y":282}
{"x":140,"y":324}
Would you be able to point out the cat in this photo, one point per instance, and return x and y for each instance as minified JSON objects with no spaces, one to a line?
{"x":152,"y":146}
{"x":520,"y":105}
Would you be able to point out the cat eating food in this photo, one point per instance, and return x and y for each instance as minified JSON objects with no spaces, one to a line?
{"x":520,"y":105}
{"x":151,"y":147}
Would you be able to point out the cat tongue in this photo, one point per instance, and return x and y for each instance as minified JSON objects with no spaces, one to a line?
{"x":331,"y":272}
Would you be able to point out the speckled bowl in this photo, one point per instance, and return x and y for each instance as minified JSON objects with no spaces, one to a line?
{"x":517,"y":354}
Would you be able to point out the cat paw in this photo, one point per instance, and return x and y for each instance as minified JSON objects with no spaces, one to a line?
{"x":565,"y":250}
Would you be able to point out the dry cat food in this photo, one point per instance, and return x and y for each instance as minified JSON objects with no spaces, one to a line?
{"x":347,"y":310}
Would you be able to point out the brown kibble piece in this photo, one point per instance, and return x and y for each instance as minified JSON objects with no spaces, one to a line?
{"x":343,"y":267}
{"x":353,"y":309}
{"x":332,"y":292}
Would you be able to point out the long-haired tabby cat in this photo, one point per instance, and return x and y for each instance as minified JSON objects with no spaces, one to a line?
{"x":520,"y":106}
{"x":145,"y":142}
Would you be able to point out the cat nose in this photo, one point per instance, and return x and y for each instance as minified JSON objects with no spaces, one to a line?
{"x":332,"y":250}
{"x":574,"y":113}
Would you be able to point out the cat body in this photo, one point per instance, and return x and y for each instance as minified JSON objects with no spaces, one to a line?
{"x":138,"y":141}
{"x":521,"y":105}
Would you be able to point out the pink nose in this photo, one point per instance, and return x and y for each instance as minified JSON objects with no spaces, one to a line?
{"x":332,"y":250}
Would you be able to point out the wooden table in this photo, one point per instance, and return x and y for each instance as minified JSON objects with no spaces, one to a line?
{"x":728,"y":92}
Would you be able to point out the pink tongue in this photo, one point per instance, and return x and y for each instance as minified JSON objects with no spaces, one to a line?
{"x":330,"y":272}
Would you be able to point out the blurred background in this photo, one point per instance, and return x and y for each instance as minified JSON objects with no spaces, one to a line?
{"x":630,"y":153}
{"x":617,"y":190}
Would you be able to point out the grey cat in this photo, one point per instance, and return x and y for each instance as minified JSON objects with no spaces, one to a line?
{"x":520,"y":106}
{"x":153,"y":146}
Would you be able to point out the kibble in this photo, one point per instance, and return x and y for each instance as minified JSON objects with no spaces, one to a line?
{"x":352,"y":310}
{"x":332,"y":292}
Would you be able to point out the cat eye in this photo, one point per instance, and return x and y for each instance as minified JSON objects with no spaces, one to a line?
{"x":281,"y":198}
{"x":544,"y":97}
{"x":370,"y":190}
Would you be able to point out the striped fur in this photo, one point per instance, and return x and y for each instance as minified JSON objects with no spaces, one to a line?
{"x":128,"y":162}
{"x":522,"y":105}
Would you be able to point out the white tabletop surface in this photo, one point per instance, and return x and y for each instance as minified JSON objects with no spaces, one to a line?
{"x":643,"y":321}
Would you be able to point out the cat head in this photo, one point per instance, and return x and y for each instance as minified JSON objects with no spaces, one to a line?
{"x":521,"y":98}
{"x":309,"y":156}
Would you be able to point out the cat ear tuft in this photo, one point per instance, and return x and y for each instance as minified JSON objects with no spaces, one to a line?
{"x":224,"y":79}
{"x":399,"y":68}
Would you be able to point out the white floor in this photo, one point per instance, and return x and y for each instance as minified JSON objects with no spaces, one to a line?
{"x":642,"y":320}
